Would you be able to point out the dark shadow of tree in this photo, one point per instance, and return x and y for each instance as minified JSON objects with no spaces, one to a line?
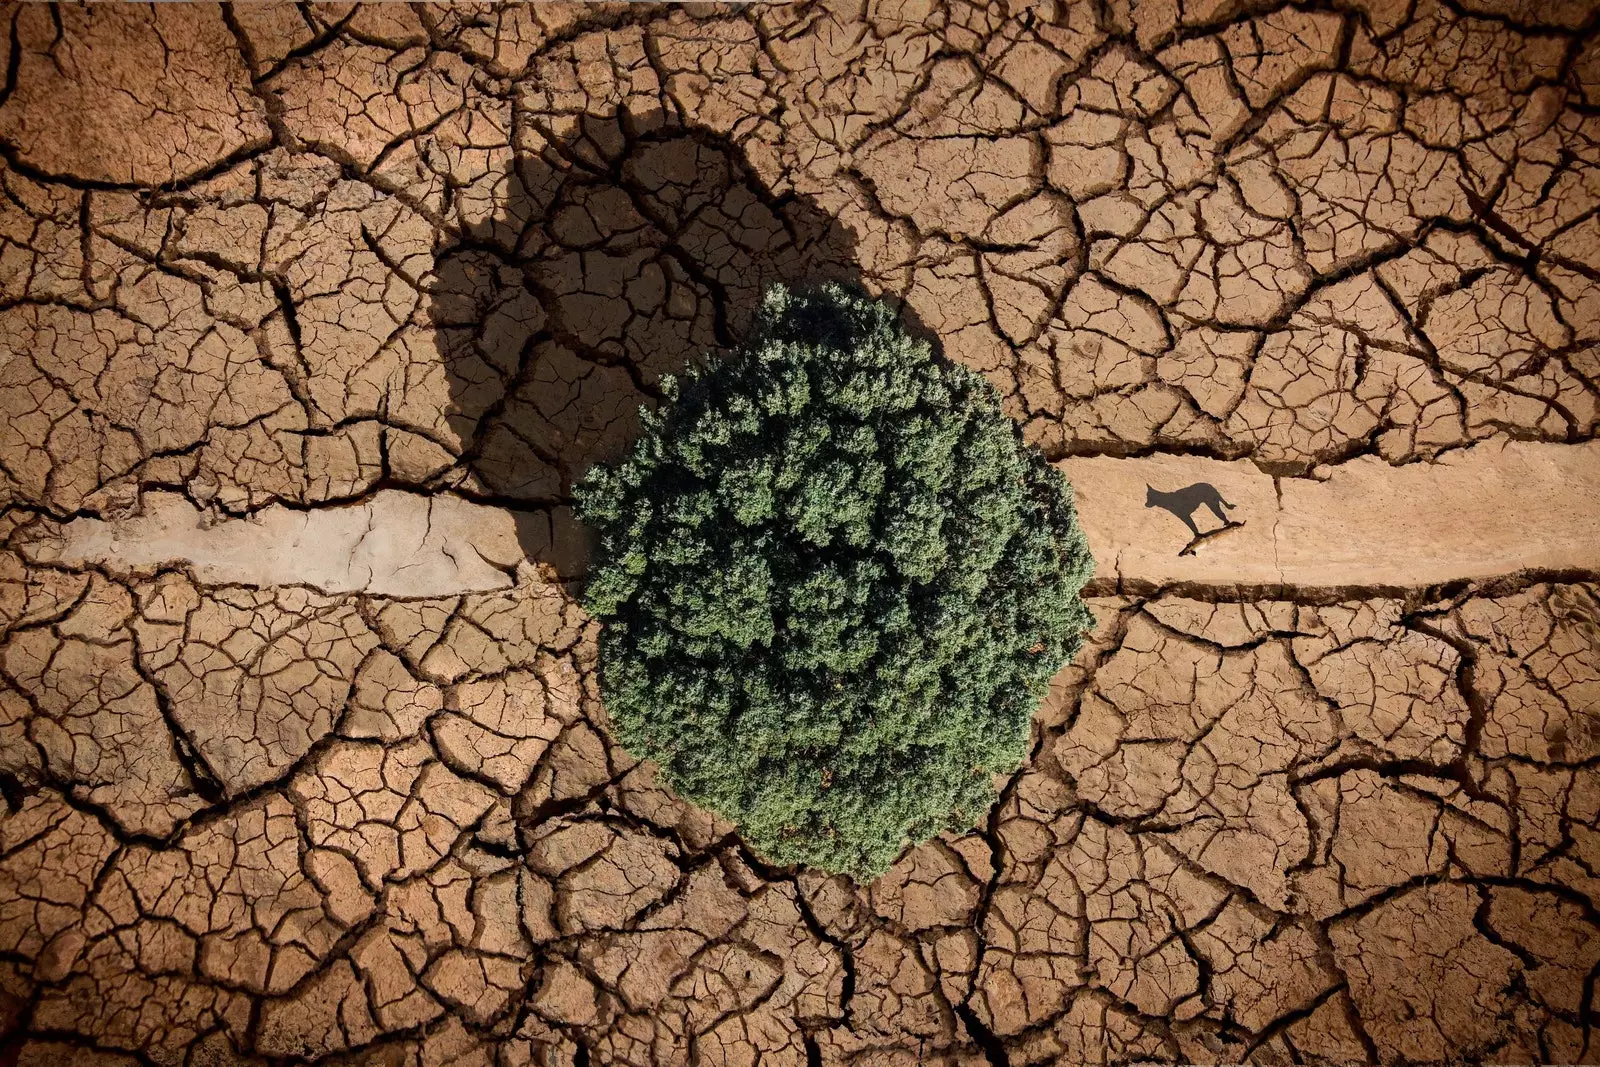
{"x":622,"y":253}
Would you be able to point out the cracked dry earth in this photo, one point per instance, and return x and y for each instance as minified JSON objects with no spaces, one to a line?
{"x":271,"y":260}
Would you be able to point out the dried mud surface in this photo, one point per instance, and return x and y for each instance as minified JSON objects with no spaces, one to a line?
{"x":293,"y":257}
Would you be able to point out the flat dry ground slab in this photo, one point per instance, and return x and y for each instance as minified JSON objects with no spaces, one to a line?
{"x":272,"y":259}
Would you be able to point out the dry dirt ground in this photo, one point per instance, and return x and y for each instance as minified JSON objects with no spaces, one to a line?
{"x":278,"y":257}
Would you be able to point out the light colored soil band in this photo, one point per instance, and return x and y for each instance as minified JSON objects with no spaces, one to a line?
{"x":391,"y":544}
{"x":1493,"y":511}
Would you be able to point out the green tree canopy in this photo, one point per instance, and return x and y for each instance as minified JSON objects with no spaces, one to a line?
{"x":835,"y":584}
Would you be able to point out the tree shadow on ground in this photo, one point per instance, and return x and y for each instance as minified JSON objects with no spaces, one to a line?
{"x":630,"y":249}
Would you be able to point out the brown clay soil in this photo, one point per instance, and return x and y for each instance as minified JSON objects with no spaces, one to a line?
{"x":267,"y":259}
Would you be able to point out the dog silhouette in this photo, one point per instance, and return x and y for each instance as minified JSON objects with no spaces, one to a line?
{"x":1183,"y":502}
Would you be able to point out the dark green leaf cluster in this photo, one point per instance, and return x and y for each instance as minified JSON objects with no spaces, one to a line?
{"x":834,"y":584}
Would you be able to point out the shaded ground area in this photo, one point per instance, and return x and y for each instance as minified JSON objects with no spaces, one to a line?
{"x":298,"y":256}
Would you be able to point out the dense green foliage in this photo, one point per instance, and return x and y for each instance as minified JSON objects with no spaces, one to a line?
{"x":835,"y":585}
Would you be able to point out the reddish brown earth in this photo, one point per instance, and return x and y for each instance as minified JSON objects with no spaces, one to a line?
{"x":276,"y":258}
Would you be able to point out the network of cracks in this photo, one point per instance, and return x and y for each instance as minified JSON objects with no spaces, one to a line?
{"x":272,"y":256}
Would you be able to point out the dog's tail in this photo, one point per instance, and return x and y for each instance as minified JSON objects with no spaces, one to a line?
{"x":1223,"y":502}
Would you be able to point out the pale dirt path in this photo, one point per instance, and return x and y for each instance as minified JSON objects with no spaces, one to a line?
{"x":391,"y":544}
{"x":1497,"y":510}
{"x":1494,"y":511}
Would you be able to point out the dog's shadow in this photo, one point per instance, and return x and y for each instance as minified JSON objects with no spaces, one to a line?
{"x":1183,"y":503}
